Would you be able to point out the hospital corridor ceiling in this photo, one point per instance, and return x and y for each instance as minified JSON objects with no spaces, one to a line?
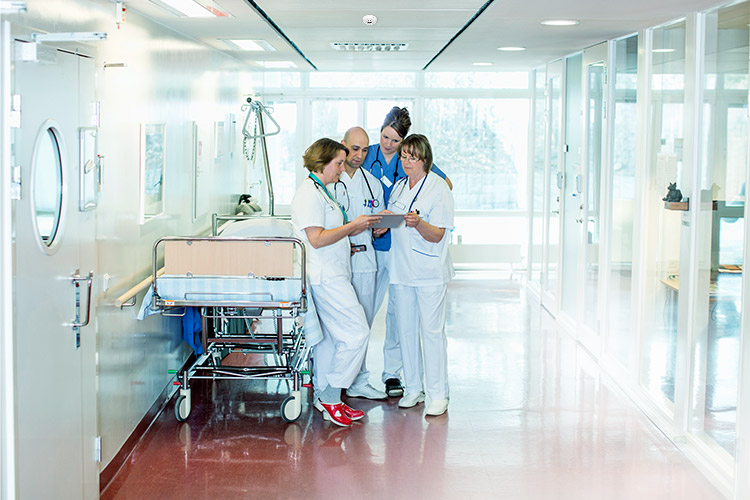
{"x":441,"y":35}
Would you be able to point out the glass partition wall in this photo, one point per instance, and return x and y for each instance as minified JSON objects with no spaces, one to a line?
{"x":537,"y":179}
{"x":618,"y":326}
{"x":672,"y":223}
{"x":723,"y":176}
{"x":663,"y":222}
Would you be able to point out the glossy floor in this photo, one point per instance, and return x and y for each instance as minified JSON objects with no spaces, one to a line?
{"x":530,"y":417}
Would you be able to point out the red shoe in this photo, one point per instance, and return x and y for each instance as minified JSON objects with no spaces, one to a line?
{"x":352,"y":413}
{"x":336,"y":414}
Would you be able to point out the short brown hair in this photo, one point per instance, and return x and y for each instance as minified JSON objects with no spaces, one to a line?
{"x":417,"y":145}
{"x":321,"y":153}
{"x":398,"y":119}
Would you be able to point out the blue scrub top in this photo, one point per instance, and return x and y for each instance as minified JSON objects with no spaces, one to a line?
{"x":375,"y":164}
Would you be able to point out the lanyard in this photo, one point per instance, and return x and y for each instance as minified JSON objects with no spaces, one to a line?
{"x":320,"y":185}
{"x":416,"y":195}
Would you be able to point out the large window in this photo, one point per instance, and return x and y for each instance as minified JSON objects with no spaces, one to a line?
{"x":283,"y":153}
{"x":482,"y":145}
{"x":479,"y":136}
{"x":332,"y":117}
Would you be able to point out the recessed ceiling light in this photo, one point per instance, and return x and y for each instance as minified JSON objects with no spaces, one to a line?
{"x":560,"y":22}
{"x":249,"y":45}
{"x":511,"y":49}
{"x":662,"y":50}
{"x":192,"y":8}
{"x":482,"y":64}
{"x":277,"y":64}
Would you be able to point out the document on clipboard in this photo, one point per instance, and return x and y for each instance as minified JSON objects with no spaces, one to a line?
{"x":389,"y":220}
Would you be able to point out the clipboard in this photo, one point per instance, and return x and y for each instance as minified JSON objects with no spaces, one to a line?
{"x":389,"y":220}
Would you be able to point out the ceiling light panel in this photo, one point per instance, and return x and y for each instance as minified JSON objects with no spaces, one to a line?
{"x":560,"y":22}
{"x":249,"y":45}
{"x":277,"y":64}
{"x":192,"y":8}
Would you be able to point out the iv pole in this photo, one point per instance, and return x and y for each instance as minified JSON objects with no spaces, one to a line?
{"x":257,"y":108}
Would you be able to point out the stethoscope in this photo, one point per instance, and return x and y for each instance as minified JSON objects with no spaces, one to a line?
{"x":371,"y":203}
{"x":401,"y":190}
{"x":380,"y":165}
{"x":320,"y":186}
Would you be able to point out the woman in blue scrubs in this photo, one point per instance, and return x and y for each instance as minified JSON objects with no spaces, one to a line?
{"x":383,"y":162}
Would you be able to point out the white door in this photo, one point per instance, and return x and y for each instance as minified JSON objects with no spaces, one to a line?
{"x":55,"y":382}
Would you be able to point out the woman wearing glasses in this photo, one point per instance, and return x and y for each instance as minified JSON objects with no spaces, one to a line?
{"x":321,"y":223}
{"x":382,"y":161}
{"x":420,"y":269}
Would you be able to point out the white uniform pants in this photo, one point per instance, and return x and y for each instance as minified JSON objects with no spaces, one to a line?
{"x":421,"y":310}
{"x":392,"y":363}
{"x":338,"y":357}
{"x":364,"y":286}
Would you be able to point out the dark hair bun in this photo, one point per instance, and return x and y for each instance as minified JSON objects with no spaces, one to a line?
{"x":398,"y":119}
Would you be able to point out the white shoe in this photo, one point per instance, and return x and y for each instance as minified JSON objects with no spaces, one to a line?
{"x":437,"y":407}
{"x":365,"y":391}
{"x":410,"y":400}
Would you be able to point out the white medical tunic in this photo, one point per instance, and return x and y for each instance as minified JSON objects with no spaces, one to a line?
{"x":414,"y":261}
{"x":339,"y":356}
{"x":361,"y":194}
{"x":311,"y":207}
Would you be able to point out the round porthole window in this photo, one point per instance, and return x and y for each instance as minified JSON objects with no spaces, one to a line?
{"x":47,"y":184}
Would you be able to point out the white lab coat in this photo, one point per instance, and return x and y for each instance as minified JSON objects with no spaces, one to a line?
{"x":362,"y":194}
{"x":338,"y":357}
{"x":354,"y":195}
{"x":419,"y":273}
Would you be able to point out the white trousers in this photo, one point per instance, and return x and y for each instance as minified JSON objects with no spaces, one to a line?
{"x":420,"y":313}
{"x":364,"y":286}
{"x":392,"y":364}
{"x":337,"y":358}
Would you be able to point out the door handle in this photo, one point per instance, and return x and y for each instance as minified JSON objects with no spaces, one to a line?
{"x":75,"y":278}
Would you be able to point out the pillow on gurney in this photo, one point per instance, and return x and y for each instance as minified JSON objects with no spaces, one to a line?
{"x":260,"y":226}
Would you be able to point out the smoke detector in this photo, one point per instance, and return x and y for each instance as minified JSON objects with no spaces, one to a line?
{"x":369,"y":19}
{"x":369,"y":47}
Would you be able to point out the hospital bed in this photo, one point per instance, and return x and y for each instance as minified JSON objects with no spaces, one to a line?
{"x":251,"y":296}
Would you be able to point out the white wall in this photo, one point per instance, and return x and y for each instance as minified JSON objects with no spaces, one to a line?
{"x":167,"y":79}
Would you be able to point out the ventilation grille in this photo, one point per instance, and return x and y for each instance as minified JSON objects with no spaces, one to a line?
{"x":369,"y":47}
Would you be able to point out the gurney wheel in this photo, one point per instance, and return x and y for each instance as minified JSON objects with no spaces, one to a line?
{"x":181,"y":408}
{"x":291,"y":409}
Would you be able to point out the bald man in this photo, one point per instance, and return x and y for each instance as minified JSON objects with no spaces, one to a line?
{"x":359,"y":192}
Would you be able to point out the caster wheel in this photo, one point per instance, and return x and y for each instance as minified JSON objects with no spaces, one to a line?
{"x":181,"y":408}
{"x":291,"y":409}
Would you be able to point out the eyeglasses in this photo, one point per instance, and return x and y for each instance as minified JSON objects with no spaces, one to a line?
{"x":410,"y":159}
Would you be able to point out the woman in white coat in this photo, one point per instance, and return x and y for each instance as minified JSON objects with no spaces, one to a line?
{"x":420,"y":269}
{"x":322,"y":224}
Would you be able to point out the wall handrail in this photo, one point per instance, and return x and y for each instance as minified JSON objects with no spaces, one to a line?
{"x":127,"y":299}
